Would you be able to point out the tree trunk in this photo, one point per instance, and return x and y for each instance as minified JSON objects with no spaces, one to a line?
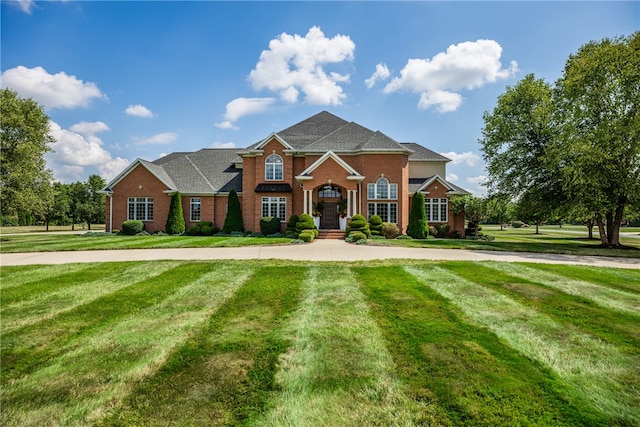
{"x":614,"y":237}
{"x":73,"y":225}
{"x":537,"y":228}
{"x":590,"y":225}
{"x":603,"y":234}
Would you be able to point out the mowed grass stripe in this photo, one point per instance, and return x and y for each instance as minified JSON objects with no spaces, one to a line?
{"x":624,"y":279}
{"x":601,"y":295}
{"x":96,"y":376}
{"x":615,"y":327}
{"x":338,"y":370}
{"x":58,"y":296}
{"x":49,"y":298}
{"x":459,"y":372}
{"x":27,"y":348}
{"x":594,"y":371}
{"x":16,"y":276}
{"x":224,"y":374}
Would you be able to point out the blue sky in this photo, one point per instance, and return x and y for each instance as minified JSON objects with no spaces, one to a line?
{"x":122,"y":80}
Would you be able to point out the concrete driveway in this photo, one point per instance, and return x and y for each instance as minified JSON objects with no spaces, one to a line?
{"x":320,"y":250}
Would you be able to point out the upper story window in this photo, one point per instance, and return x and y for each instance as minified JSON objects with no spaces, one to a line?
{"x":273,"y":168}
{"x":382,"y":189}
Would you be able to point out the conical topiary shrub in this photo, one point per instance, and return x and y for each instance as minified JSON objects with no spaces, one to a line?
{"x":175,"y":219}
{"x":358,"y":223}
{"x":233,"y":221}
{"x":375,"y":224}
{"x":418,"y":227}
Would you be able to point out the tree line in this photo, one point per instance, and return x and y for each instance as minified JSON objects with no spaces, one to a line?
{"x":29,"y":194}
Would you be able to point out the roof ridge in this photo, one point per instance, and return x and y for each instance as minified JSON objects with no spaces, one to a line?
{"x":200,"y":172}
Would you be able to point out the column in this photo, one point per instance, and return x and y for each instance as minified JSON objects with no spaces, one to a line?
{"x":304,"y":206}
{"x":349,"y":203}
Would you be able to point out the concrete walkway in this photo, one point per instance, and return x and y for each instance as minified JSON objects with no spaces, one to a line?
{"x":320,"y":250}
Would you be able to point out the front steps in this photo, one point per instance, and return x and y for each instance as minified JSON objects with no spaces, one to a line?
{"x":331,"y":234}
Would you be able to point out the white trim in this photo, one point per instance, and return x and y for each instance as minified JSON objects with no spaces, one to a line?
{"x":431,"y":181}
{"x":271,"y":137}
{"x":353,"y":174}
{"x":128,"y":170}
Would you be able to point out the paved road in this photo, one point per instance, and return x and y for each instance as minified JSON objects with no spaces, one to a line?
{"x":320,"y":250}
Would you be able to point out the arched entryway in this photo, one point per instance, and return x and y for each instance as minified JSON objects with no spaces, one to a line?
{"x":331,"y":200}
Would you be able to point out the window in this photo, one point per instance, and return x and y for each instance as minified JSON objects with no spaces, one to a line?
{"x":387,"y":211}
{"x":382,"y":190}
{"x":275,"y":206}
{"x":140,"y":208}
{"x":436,"y":210}
{"x":329,"y":192}
{"x":195,"y":208}
{"x":273,"y":168}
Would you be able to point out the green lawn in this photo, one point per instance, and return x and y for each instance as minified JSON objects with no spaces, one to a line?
{"x":287,"y":343}
{"x":567,"y":240}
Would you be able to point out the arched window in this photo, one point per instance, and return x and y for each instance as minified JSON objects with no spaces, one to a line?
{"x":329,"y":192}
{"x":273,"y":168}
{"x":382,"y":189}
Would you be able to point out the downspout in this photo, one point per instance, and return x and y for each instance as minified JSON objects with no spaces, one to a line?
{"x":110,"y":212}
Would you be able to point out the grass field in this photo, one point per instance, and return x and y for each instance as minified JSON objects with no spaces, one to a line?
{"x":568,"y":240}
{"x":319,"y":344}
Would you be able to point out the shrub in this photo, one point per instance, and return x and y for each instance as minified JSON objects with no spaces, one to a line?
{"x":442,"y":230}
{"x":132,"y":227}
{"x":389,"y":230}
{"x":375,"y":224}
{"x":175,"y":219}
{"x":291,"y":224}
{"x":233,"y":221}
{"x":418,"y":227}
{"x":206,"y":230}
{"x":256,"y":234}
{"x":269,"y":225}
{"x":194,"y":230}
{"x":237,"y":234}
{"x":433,"y":231}
{"x":143,"y":233}
{"x":358,"y":223}
{"x":517,"y":224}
{"x":357,"y":235}
{"x":305,"y":222}
{"x":307,"y":235}
{"x":361,"y":242}
{"x":403,"y":237}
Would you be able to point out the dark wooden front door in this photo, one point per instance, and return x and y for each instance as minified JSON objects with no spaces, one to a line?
{"x":329,"y":218}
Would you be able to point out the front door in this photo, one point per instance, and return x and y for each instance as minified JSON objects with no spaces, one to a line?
{"x":329,"y":218}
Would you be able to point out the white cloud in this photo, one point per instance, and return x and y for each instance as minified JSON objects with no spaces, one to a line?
{"x":51,"y":90}
{"x":223,"y":145}
{"x":73,"y":152}
{"x":438,"y":80}
{"x":89,"y":128}
{"x":161,"y":138}
{"x":381,"y":73}
{"x":452,"y":177}
{"x":240,"y":107}
{"x":138,"y":111}
{"x":467,"y":158}
{"x":295,"y":64}
{"x":25,"y":5}
{"x":477,"y":180}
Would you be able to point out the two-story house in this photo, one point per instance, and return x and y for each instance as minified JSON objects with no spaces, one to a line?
{"x":348,"y":167}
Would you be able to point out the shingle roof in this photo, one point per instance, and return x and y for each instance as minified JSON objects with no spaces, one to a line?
{"x":325,"y":131}
{"x":417,"y":183}
{"x":422,"y":153}
{"x":204,"y":171}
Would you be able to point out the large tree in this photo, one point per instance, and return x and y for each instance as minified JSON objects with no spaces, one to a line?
{"x":598,"y":149}
{"x":25,"y":181}
{"x":94,"y":212}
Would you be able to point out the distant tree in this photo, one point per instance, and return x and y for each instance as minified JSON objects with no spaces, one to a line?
{"x":233,"y":221}
{"x":58,"y":209}
{"x":93,"y":213}
{"x":500,"y":209}
{"x":475,"y":211}
{"x":533,"y":207}
{"x":25,"y":181}
{"x":418,"y":227}
{"x":175,"y":219}
{"x":598,"y":149}
{"x":78,"y":202}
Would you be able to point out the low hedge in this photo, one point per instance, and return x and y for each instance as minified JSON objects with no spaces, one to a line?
{"x":132,"y":227}
{"x":269,"y":225}
{"x":307,"y":235}
{"x":390,"y":230}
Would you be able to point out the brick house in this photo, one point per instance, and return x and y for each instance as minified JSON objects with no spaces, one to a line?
{"x":348,"y":167}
